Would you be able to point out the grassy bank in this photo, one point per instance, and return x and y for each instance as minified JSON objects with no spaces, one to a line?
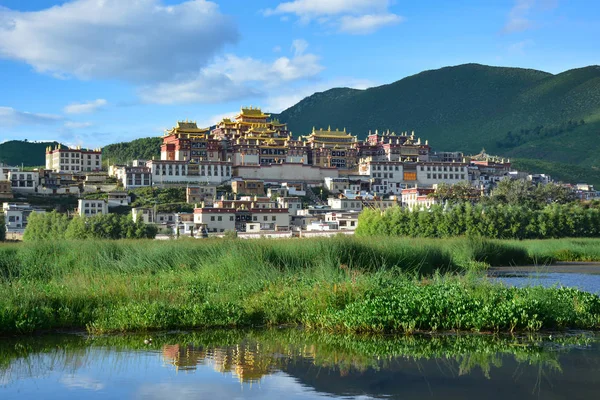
{"x":339,"y":284}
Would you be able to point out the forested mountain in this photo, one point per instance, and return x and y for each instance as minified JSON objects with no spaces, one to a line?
{"x":140,"y":149}
{"x":519,"y":113}
{"x":23,"y":152}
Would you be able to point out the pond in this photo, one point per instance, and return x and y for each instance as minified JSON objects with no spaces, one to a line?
{"x":294,"y":364}
{"x":583,"y":276}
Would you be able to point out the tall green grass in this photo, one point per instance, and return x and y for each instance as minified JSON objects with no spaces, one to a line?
{"x":338,"y":284}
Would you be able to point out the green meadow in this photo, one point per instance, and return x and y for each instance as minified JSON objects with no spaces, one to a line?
{"x":341,"y":284}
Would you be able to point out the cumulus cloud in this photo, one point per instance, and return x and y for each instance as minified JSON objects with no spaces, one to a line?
{"x":10,"y":117}
{"x":84,"y":108}
{"x":206,"y":87}
{"x":234,"y":78}
{"x":346,"y":16}
{"x":139,"y":41}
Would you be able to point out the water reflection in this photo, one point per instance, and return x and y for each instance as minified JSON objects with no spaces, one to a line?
{"x":296,"y":364}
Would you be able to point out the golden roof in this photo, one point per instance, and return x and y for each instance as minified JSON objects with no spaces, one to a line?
{"x":186,"y":127}
{"x":253,"y":112}
{"x":329,"y":133}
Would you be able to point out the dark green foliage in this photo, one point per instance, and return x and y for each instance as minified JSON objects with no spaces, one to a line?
{"x":496,"y":222}
{"x":520,"y":192}
{"x":2,"y":228}
{"x":166,"y":200}
{"x":139,"y":149}
{"x":522,"y":136}
{"x":22,"y":152}
{"x":55,"y":226}
{"x":467,"y":107}
{"x":458,"y":305}
{"x":559,"y":170}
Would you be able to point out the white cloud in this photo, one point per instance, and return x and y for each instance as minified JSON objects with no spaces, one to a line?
{"x":11,"y":117}
{"x":299,"y":46}
{"x":346,"y":16}
{"x":81,"y":382}
{"x":77,"y":125}
{"x":315,"y":8}
{"x":84,"y":108}
{"x":234,"y":78}
{"x":206,"y":87}
{"x":519,"y":17}
{"x":367,"y":23}
{"x":139,"y":41}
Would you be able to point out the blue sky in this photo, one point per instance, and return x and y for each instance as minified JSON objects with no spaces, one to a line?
{"x":94,"y":72}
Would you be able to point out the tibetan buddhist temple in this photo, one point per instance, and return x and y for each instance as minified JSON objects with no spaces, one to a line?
{"x":252,"y":138}
{"x":332,"y":148}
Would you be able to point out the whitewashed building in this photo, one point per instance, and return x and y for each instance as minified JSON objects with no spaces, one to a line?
{"x":24,"y":181}
{"x":91,"y":208}
{"x":64,"y":159}
{"x":180,"y":172}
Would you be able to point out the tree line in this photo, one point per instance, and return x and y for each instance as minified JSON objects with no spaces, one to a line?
{"x":499,"y":221}
{"x":54,"y":225}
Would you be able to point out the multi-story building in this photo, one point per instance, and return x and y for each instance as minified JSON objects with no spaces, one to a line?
{"x":5,"y":169}
{"x":91,"y":208}
{"x":6,"y":190}
{"x":292,"y":204}
{"x":271,"y":219}
{"x":248,"y":186}
{"x":77,"y":160}
{"x":345,"y":204}
{"x":118,"y":199}
{"x":332,"y":148}
{"x":198,"y":194}
{"x":388,"y":146}
{"x":246,"y":203}
{"x":418,"y":198}
{"x":447,"y":156}
{"x":431,"y":173}
{"x":213,"y":219}
{"x":16,"y":215}
{"x":24,"y":181}
{"x":166,"y":172}
{"x":347,"y":220}
{"x":134,"y":177}
{"x":394,"y":176}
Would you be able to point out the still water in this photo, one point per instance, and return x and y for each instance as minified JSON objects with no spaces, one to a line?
{"x":292,"y":364}
{"x":583,"y":276}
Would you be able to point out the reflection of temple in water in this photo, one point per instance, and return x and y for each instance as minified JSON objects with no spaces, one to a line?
{"x":245,"y":360}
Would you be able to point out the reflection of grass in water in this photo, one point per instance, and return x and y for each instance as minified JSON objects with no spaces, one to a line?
{"x":253,"y":354}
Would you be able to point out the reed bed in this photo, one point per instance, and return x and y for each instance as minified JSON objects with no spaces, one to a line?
{"x":337,"y":284}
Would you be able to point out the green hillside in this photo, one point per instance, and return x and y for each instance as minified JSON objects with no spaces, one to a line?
{"x":142,"y":149}
{"x":514,"y":112}
{"x":21,"y":152}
